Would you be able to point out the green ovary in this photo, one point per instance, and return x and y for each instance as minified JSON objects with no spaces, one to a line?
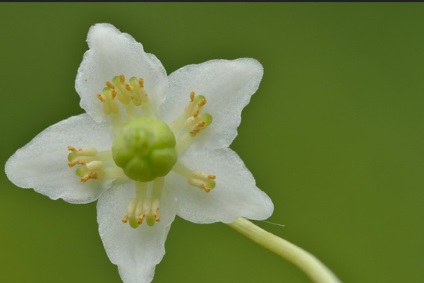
{"x":145,"y":149}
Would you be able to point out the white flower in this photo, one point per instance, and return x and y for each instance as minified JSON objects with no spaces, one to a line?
{"x":173,"y":157}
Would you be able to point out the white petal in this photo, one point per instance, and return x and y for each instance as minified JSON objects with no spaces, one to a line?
{"x":234,"y":196}
{"x":42,"y":164}
{"x":135,"y":251}
{"x":227,"y":86}
{"x":113,"y":53}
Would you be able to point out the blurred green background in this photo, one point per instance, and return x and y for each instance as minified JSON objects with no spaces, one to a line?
{"x":334,"y":135}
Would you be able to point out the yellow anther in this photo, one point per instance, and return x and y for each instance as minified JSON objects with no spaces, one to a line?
{"x":100,"y":97}
{"x":192,"y":95}
{"x":202,"y":102}
{"x":127,"y":87}
{"x":110,"y":85}
{"x":141,"y":82}
{"x":73,"y":163}
{"x":212,"y":177}
{"x":206,"y":188}
{"x":92,"y":175}
{"x":71,"y":148}
{"x":122,"y":78}
{"x":157,"y":217}
{"x":196,"y":113}
{"x":141,"y":218}
{"x":198,"y":127}
{"x":113,"y":93}
{"x":125,"y":219}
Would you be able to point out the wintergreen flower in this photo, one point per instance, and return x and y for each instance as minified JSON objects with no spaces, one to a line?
{"x":147,"y":141}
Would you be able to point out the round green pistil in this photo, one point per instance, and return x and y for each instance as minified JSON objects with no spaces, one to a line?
{"x":145,"y":149}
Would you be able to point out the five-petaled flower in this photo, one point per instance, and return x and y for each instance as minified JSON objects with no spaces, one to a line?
{"x":147,"y":141}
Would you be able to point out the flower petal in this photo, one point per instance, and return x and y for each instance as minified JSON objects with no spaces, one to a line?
{"x":113,"y":53}
{"x":135,"y":251}
{"x":42,"y":164}
{"x":227,"y":86}
{"x":234,"y":196}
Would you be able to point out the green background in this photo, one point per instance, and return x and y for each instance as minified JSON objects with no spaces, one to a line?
{"x":334,"y":135}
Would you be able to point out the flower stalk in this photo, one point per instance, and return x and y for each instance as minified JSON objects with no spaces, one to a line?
{"x":305,"y":261}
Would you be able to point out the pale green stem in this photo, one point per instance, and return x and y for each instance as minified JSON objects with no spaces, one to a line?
{"x":308,"y":263}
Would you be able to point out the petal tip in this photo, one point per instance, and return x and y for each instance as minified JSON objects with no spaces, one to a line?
{"x":99,"y":33}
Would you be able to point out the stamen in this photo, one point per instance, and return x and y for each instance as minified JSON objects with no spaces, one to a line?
{"x":196,"y":113}
{"x":202,"y":102}
{"x":129,"y":94}
{"x":73,"y":163}
{"x":121,"y":92}
{"x":191,"y":122}
{"x":141,"y":218}
{"x":197,"y":128}
{"x":196,"y":178}
{"x":108,"y":101}
{"x":100,"y":97}
{"x":110,"y":85}
{"x":145,"y":206}
{"x":71,"y":148}
{"x":91,"y":175}
{"x":94,"y":165}
{"x":139,"y":94}
{"x":127,"y":87}
{"x":206,"y":188}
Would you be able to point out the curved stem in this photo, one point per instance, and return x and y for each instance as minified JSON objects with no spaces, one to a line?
{"x":309,"y":264}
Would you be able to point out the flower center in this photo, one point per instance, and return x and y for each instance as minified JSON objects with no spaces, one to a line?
{"x":145,"y":149}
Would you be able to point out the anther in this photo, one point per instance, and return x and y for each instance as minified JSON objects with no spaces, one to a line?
{"x":91,"y":175}
{"x":110,"y":85}
{"x":199,"y":179}
{"x":141,"y":82}
{"x":125,"y":219}
{"x":206,"y":188}
{"x":197,"y":128}
{"x":109,"y":104}
{"x":202,"y":102}
{"x":196,"y":113}
{"x":192,"y":95}
{"x":157,"y":217}
{"x":122,"y":78}
{"x":73,"y":163}
{"x":141,"y":218}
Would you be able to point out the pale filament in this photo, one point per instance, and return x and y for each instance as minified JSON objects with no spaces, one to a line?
{"x":93,"y":164}
{"x":191,"y":122}
{"x":146,"y":203}
{"x":125,"y":100}
{"x":195,"y":178}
